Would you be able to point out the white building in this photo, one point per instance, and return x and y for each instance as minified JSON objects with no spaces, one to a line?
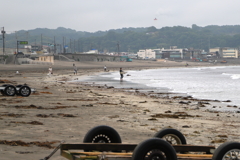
{"x":229,"y":53}
{"x":146,"y":54}
{"x":161,"y":53}
{"x":225,"y":52}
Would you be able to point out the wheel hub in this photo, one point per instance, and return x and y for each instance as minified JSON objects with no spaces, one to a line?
{"x":233,"y":154}
{"x":25,"y":91}
{"x":172,"y":139}
{"x":155,"y":155}
{"x":101,"y":139}
{"x":10,"y":90}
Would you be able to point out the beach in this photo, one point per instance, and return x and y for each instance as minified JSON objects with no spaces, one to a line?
{"x":62,"y":109}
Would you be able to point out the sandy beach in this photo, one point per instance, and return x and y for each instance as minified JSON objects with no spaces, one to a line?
{"x":59,"y":110}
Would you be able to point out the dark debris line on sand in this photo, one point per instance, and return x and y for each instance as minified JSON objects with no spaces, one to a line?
{"x":28,"y":144}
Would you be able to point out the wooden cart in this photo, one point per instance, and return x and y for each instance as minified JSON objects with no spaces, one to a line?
{"x":105,"y":151}
{"x":103,"y":143}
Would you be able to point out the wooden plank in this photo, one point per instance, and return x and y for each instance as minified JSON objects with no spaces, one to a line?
{"x":192,"y":148}
{"x":99,"y":146}
{"x":130,"y":147}
{"x":194,"y":158}
{"x":195,"y":155}
{"x":76,"y":155}
{"x":130,"y":154}
{"x":102,"y":153}
{"x":115,"y":157}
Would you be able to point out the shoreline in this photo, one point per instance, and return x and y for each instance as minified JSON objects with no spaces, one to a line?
{"x":62,"y":110}
{"x":128,"y":86}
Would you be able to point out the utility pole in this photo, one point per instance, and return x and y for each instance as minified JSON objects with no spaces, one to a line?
{"x":41,"y":42}
{"x":118,"y":49}
{"x":27,"y":35}
{"x":78,"y":45}
{"x":63,"y":46}
{"x":54,"y":46}
{"x":209,"y":44}
{"x":74,"y":46}
{"x":71,"y":45}
{"x":3,"y":37}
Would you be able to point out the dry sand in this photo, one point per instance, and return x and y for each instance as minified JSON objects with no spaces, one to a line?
{"x":31,"y":126}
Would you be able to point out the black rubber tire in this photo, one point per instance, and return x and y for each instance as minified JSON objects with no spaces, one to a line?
{"x":171,"y":131}
{"x":10,"y":90}
{"x":24,"y":91}
{"x":154,"y":148}
{"x":102,"y":134}
{"x":224,"y":148}
{"x":2,"y":91}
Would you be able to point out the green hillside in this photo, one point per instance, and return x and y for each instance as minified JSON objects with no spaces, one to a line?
{"x":131,"y":39}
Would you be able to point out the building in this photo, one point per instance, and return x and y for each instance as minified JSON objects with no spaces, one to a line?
{"x":193,"y":53}
{"x":225,"y":52}
{"x":216,"y":52}
{"x":229,"y":53}
{"x":146,"y":54}
{"x":45,"y":58}
{"x":36,"y":48}
{"x":172,"y":53}
{"x":158,"y":53}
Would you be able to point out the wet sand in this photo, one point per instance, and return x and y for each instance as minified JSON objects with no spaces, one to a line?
{"x":60,"y":110}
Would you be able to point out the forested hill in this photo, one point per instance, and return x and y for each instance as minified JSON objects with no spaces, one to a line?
{"x":133,"y":39}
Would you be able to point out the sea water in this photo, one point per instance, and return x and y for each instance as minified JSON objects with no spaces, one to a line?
{"x":212,"y":83}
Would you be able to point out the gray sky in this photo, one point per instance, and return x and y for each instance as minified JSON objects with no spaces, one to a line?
{"x":102,"y":15}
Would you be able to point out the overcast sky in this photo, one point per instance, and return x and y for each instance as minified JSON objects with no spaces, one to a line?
{"x":103,"y":15}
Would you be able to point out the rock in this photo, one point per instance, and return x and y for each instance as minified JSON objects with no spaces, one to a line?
{"x":227,"y":101}
{"x":182,"y":102}
{"x":222,"y":136}
{"x":197,"y":132}
{"x":152,"y":119}
{"x":200,"y":104}
{"x":168,"y":111}
{"x":146,"y":110}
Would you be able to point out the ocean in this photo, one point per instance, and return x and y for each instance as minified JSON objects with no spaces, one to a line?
{"x":212,"y":83}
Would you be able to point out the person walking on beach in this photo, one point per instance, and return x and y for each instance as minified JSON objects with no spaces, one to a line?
{"x":121,"y":73}
{"x":74,"y":69}
{"x":50,"y":71}
{"x":105,"y":68}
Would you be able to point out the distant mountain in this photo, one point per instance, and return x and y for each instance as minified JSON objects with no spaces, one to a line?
{"x":131,"y":39}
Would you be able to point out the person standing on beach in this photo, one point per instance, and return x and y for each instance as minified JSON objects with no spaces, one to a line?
{"x":74,"y":69}
{"x":50,"y":71}
{"x":121,"y":73}
{"x":105,"y":68}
